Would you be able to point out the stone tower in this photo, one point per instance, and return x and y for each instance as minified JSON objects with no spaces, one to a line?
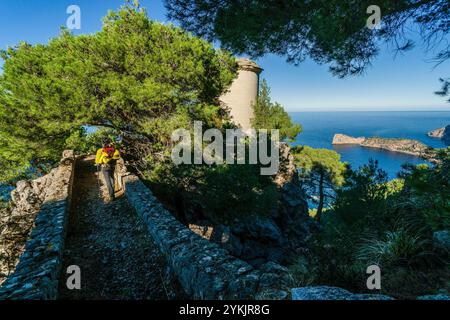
{"x":243,"y":92}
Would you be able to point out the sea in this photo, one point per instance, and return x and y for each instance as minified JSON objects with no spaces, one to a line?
{"x":320,"y":127}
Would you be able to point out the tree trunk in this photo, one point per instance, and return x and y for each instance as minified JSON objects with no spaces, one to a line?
{"x":321,"y":198}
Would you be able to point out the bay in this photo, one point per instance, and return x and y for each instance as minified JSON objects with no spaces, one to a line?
{"x":320,"y":127}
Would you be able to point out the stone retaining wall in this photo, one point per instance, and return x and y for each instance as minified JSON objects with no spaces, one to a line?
{"x":204,"y":269}
{"x":37,"y":274}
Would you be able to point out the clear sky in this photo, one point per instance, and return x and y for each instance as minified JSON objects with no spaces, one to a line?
{"x":406,"y":82}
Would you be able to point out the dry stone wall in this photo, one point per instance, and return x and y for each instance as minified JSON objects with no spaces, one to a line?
{"x":40,"y":206}
{"x":204,"y":269}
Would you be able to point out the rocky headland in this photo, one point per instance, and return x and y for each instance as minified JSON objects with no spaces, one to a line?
{"x":406,"y":146}
{"x":437,"y":133}
{"x":441,"y":133}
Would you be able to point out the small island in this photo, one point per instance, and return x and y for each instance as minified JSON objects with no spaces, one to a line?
{"x":406,"y":146}
{"x":441,"y":133}
{"x":437,"y":133}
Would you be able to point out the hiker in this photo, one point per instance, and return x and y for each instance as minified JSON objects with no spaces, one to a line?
{"x":106,"y":158}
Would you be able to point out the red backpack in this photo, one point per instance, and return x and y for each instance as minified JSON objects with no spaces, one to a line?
{"x":109,"y":151}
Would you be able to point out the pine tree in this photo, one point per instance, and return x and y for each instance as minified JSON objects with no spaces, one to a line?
{"x":269,"y":115}
{"x":321,"y":171}
{"x":134,"y":75}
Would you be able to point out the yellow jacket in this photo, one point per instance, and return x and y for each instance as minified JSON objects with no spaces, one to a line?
{"x":103,"y":158}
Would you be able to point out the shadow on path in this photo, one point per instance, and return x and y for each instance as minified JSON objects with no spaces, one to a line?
{"x":110,"y":244}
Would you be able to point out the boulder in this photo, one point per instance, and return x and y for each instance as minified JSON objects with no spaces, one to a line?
{"x":24,"y":198}
{"x":68,"y":157}
{"x":263,"y":228}
{"x":332,"y":293}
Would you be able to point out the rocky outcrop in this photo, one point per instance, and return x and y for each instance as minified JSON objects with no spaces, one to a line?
{"x":204,"y":269}
{"x":438,"y":133}
{"x":286,"y":231}
{"x":344,"y":139}
{"x":407,"y":146}
{"x":332,"y":293}
{"x":40,"y":207}
{"x":256,"y":240}
{"x":277,"y":237}
{"x":441,"y":133}
{"x":287,"y":170}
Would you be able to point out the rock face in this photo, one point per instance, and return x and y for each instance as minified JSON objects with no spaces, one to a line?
{"x":287,"y":170}
{"x":39,"y":207}
{"x":407,"y":146}
{"x":344,"y":139}
{"x":332,"y":293}
{"x":438,"y":133}
{"x":441,"y":133}
{"x":17,"y":222}
{"x":277,"y":237}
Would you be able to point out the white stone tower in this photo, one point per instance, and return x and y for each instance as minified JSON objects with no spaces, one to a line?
{"x":243,"y":93}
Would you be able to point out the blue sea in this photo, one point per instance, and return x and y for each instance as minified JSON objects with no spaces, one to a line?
{"x":320,"y":127}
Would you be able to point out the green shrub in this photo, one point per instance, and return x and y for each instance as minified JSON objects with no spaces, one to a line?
{"x":84,"y":143}
{"x":398,"y":248}
{"x":425,"y":197}
{"x":304,"y":272}
{"x":134,"y":75}
{"x":221,"y":193}
{"x":388,"y":223}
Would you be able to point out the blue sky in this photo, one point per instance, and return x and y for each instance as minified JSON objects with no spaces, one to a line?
{"x":406,"y":82}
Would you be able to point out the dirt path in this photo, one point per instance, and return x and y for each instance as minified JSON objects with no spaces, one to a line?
{"x":110,"y":244}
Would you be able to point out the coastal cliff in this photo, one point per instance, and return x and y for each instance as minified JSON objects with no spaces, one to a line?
{"x":344,"y":139}
{"x":441,"y":133}
{"x":407,"y":146}
{"x":438,"y":133}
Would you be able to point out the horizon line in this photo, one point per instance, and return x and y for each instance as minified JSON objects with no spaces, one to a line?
{"x":370,"y":110}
